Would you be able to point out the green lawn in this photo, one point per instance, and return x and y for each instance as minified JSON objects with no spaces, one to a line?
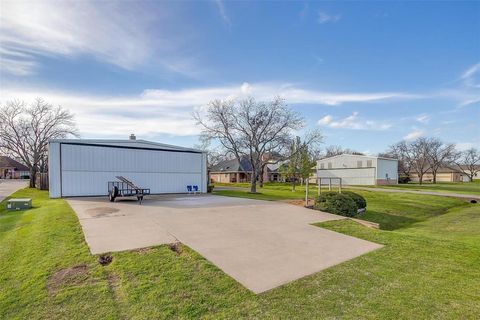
{"x":448,"y":187}
{"x":429,"y":268}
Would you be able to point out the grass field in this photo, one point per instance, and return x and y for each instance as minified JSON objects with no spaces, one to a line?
{"x":429,"y":268}
{"x":448,"y":187}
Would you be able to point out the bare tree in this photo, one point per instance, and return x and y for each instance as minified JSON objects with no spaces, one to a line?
{"x":251,"y":129}
{"x":400,"y":151}
{"x":214,"y":154}
{"x":417,"y":153}
{"x":25,"y":131}
{"x":468,"y":162}
{"x":439,"y":154}
{"x":335,"y":150}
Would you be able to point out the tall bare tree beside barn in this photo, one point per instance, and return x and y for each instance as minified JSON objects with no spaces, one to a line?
{"x":468,"y":162}
{"x":439,"y":155}
{"x":26,"y":129}
{"x":252,"y":129}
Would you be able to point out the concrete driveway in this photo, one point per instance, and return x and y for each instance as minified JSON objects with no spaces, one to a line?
{"x":261,"y":244}
{"x":9,"y":186}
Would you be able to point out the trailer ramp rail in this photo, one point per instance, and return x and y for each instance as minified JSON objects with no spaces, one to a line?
{"x":125,"y":188}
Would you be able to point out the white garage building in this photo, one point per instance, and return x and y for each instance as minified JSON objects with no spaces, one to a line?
{"x":359,"y":169}
{"x":79,"y":167}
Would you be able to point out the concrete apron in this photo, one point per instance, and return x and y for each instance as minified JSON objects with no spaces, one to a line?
{"x":261,"y":244}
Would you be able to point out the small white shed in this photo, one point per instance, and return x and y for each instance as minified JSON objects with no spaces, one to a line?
{"x":79,"y":167}
{"x":359,"y":169}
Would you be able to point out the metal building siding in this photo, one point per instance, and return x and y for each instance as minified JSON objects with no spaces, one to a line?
{"x":346,"y":161}
{"x":389,"y":167}
{"x":353,"y":176}
{"x":54,"y":170}
{"x":86,"y":169}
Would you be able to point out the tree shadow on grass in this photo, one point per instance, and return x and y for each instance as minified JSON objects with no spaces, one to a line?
{"x":387,"y":221}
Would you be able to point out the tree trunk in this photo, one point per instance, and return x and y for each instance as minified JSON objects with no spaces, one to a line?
{"x":420,"y":179}
{"x":434,"y":174}
{"x":253,"y":182}
{"x":33,"y":174}
{"x":261,"y":179}
{"x":293,"y":184}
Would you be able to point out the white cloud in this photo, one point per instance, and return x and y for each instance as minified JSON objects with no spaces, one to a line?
{"x":353,"y":122}
{"x":422,"y":118}
{"x":324,"y":17}
{"x":416,"y":133}
{"x":470,"y":76}
{"x":223,"y":12}
{"x":462,"y":146}
{"x":111,"y":32}
{"x":156,"y":111}
{"x":325,"y":121}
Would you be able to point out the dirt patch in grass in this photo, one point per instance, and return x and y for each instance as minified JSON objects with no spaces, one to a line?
{"x":68,"y":276}
{"x":142,"y":250}
{"x":105,"y":259}
{"x":102,"y":212}
{"x":176,"y":247}
{"x":300,"y":202}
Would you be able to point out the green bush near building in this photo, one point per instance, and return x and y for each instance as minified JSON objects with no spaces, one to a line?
{"x":345,"y":204}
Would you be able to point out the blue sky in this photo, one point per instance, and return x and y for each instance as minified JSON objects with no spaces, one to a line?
{"x":368,"y":74}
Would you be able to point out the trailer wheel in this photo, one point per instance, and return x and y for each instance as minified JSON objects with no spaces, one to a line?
{"x":115,"y":191}
{"x":111,"y":197}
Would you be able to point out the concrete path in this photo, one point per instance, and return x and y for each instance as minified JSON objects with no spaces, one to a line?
{"x":431,"y":193}
{"x":9,"y":186}
{"x":261,"y":244}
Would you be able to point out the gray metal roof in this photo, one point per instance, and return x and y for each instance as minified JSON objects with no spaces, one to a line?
{"x":141,"y":144}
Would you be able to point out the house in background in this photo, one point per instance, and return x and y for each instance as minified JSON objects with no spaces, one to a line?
{"x":231,"y":171}
{"x":12,"y":169}
{"x":443,"y":175}
{"x":359,"y":169}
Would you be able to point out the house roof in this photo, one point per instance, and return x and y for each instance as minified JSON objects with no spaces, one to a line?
{"x":358,"y":156}
{"x":137,"y":144}
{"x":7,"y":162}
{"x":233,"y":165}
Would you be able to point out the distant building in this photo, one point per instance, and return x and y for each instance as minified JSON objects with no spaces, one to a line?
{"x":231,"y":171}
{"x":12,"y":169}
{"x":359,"y":169}
{"x":443,"y":175}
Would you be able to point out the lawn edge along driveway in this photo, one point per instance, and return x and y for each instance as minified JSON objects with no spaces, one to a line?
{"x":261,"y":244}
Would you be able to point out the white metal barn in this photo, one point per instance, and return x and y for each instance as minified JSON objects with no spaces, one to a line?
{"x":359,"y":170}
{"x":80,"y":167}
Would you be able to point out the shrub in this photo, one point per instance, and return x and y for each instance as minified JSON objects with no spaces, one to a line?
{"x":404,"y":179}
{"x":337,"y":203}
{"x":210,"y":188}
{"x":359,"y":200}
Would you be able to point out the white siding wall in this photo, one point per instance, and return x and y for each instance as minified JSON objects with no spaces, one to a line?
{"x":358,"y":170}
{"x":363,"y":176}
{"x":54,"y":170}
{"x":86,"y":169}
{"x":387,"y":168}
{"x":346,"y":161}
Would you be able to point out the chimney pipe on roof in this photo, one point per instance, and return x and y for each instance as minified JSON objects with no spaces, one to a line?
{"x":132,"y":137}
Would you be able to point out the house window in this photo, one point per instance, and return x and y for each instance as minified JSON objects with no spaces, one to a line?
{"x":322,"y":165}
{"x":226,"y":175}
{"x":329,"y":165}
{"x":359,"y":164}
{"x":369,"y":163}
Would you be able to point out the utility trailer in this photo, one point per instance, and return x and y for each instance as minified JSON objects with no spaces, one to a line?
{"x":125,"y":188}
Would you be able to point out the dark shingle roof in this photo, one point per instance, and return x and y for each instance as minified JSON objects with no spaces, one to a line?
{"x":7,"y":162}
{"x":233,"y":166}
